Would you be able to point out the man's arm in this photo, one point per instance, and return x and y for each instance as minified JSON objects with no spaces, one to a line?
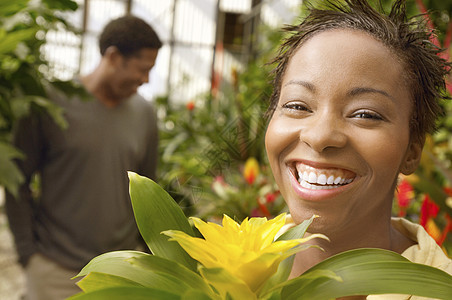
{"x":28,"y":139}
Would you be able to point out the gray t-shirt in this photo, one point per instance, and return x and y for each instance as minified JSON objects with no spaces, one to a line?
{"x":84,"y":209}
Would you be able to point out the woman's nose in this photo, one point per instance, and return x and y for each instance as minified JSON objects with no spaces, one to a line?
{"x":323,"y":131}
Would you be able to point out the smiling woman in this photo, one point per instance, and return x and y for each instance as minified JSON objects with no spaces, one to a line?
{"x":355,"y":93}
{"x":331,"y":121}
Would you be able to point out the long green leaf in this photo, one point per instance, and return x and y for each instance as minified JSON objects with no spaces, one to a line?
{"x":158,"y":264}
{"x":10,"y":175}
{"x":121,"y":293}
{"x":98,"y":281}
{"x":274,"y":292}
{"x":118,"y":264}
{"x":195,"y":294}
{"x":370,"y":271}
{"x":155,"y":211}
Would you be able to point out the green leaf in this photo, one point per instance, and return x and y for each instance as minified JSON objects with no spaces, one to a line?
{"x":10,"y":175}
{"x":285,"y":266}
{"x":55,"y":111}
{"x":61,"y":4}
{"x":117,"y":263}
{"x":274,"y":292}
{"x":155,"y":211}
{"x":367,"y":272}
{"x":20,"y":107}
{"x":72,"y":88}
{"x":434,"y":190}
{"x":98,"y":281}
{"x":174,"y":144}
{"x":225,"y":283}
{"x":158,"y":264}
{"x":9,"y":41}
{"x":195,"y":294}
{"x":121,"y":293}
{"x":298,"y":231}
{"x":12,"y":7}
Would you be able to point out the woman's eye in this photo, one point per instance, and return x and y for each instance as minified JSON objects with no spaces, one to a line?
{"x":365,"y":114}
{"x":296,"y":106}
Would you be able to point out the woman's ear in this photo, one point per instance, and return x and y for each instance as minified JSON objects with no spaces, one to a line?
{"x":412,"y":157}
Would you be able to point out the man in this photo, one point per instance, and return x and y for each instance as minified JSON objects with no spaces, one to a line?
{"x":84,"y":208}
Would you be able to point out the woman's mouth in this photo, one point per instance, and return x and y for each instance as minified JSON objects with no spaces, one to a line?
{"x":321,"y":179}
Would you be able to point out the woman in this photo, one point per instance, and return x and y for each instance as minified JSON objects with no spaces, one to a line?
{"x":355,"y":93}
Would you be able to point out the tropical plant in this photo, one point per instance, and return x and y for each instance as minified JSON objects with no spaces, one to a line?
{"x":426,"y":196}
{"x":240,"y":261}
{"x":204,"y":154}
{"x":242,"y":192}
{"x":23,"y":28}
{"x":215,"y":136}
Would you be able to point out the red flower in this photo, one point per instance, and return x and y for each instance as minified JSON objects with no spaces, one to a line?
{"x":429,"y":210}
{"x":271,"y":197}
{"x":263,"y":208}
{"x":220,"y":179}
{"x":448,"y":191}
{"x":446,"y":230}
{"x":405,"y":195}
{"x":190,"y":105}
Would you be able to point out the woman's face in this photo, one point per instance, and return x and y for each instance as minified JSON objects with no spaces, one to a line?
{"x":340,"y":133}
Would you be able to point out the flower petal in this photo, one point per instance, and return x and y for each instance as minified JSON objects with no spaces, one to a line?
{"x":199,"y":249}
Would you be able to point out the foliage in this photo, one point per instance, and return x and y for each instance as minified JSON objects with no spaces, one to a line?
{"x":240,"y":196}
{"x":203,"y":160}
{"x":213,"y":139}
{"x":171,"y":274}
{"x":440,"y":12}
{"x":23,"y":28}
{"x":430,"y":199}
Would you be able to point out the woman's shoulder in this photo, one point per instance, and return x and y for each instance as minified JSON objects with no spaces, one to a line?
{"x":426,"y":251}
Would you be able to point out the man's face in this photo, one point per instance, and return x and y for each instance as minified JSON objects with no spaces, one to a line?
{"x":131,"y":72}
{"x":340,"y":133}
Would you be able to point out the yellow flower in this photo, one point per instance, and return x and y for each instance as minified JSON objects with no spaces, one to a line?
{"x":247,"y":251}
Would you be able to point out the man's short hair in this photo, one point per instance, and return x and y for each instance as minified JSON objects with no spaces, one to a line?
{"x":129,"y":35}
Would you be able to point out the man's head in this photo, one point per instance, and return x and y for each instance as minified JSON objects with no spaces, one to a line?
{"x":129,"y":48}
{"x":407,"y":38}
{"x":129,"y":35}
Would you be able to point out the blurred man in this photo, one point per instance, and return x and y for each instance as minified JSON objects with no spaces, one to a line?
{"x":84,"y":208}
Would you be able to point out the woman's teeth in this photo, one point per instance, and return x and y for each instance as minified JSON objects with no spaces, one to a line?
{"x":311,"y":180}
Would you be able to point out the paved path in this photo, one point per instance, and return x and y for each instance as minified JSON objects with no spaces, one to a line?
{"x":11,"y":276}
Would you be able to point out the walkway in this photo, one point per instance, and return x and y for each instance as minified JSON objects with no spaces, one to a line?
{"x":11,"y":276}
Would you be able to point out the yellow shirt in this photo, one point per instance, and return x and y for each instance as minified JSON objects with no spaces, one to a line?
{"x":426,"y":252}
